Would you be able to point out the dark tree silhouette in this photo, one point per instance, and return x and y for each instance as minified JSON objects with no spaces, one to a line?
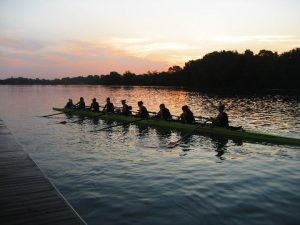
{"x":224,"y":70}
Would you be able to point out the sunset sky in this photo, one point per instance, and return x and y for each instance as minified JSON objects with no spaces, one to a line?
{"x":59,"y":38}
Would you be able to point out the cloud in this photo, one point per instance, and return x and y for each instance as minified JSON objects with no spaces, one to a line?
{"x":170,"y":52}
{"x":26,"y":57}
{"x":68,"y":58}
{"x":256,"y":38}
{"x":17,"y":44}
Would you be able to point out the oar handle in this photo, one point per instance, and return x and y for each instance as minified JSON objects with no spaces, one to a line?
{"x":203,"y":118}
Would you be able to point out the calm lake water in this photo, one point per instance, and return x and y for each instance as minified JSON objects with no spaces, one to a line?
{"x":126,"y":175}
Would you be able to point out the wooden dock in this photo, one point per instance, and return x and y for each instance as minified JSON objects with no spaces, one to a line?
{"x":26,"y":194}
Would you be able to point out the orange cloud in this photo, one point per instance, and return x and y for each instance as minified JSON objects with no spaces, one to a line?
{"x":71,"y":58}
{"x":15,"y":62}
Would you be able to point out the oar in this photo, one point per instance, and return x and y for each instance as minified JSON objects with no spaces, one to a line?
{"x":216,"y":106}
{"x":53,"y":114}
{"x":203,"y":118}
{"x":173,"y":144}
{"x":120,"y":124}
{"x":64,"y":122}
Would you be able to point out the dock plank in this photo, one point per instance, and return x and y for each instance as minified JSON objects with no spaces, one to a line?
{"x":26,"y":194}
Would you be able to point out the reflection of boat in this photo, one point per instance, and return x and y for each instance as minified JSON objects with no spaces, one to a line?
{"x":205,"y":129}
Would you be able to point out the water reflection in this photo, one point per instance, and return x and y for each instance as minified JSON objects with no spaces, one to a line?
{"x":95,"y":120}
{"x":142,"y":130}
{"x":220,"y":146}
{"x":114,"y":172}
{"x":108,"y":123}
{"x":186,"y":144}
{"x":80,"y":120}
{"x":164,"y":133}
{"x":125,"y":128}
{"x":269,"y":113}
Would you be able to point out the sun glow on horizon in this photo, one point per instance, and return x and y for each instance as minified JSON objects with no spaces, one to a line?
{"x":58,"y":38}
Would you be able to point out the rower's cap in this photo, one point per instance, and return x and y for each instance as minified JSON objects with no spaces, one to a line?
{"x":123,"y":101}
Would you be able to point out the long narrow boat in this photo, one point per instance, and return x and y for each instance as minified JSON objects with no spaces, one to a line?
{"x":204,"y":130}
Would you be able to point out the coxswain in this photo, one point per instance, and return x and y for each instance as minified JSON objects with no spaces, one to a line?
{"x":109,"y":107}
{"x":94,"y":106}
{"x":69,"y":104}
{"x":143,"y":112}
{"x":187,"y":116}
{"x":163,"y":114}
{"x":81,"y":104}
{"x":222,"y":118}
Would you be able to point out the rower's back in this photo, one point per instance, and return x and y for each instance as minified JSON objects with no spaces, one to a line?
{"x":143,"y":112}
{"x":109,"y":107}
{"x":222,"y":119}
{"x":187,"y":115}
{"x":81,"y":104}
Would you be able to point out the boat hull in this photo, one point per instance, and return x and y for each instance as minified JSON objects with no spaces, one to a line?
{"x":203,"y":130}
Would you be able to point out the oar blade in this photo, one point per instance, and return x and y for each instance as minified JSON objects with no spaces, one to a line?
{"x":172,"y":144}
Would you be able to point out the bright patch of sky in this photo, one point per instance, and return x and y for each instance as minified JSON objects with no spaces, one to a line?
{"x":79,"y":37}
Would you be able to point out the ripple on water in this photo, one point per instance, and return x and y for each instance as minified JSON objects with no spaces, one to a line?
{"x":126,"y":175}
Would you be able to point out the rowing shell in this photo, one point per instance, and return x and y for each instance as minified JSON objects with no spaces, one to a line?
{"x":202,"y":130}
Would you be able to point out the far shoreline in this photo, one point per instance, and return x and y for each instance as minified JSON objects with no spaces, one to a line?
{"x":226,"y":71}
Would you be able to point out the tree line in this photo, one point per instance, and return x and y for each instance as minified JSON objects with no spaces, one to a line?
{"x":217,"y":70}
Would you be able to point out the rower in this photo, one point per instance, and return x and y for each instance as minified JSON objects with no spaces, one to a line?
{"x":222,"y":118}
{"x":126,"y":109}
{"x":163,"y":114}
{"x":69,"y":104}
{"x":143,"y":112}
{"x":109,"y":107}
{"x":94,"y":106}
{"x":187,"y":116}
{"x":81,"y":104}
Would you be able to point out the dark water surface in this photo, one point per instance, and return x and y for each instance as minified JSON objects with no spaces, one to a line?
{"x":126,"y":175}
